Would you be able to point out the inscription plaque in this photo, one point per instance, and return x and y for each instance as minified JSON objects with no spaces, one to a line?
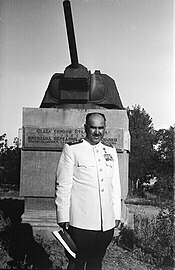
{"x":54,"y":138}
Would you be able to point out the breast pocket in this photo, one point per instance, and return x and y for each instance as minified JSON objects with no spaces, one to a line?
{"x":86,"y":164}
{"x":85,"y":172}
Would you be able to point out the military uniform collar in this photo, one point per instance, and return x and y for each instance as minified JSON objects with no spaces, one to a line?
{"x":93,"y":145}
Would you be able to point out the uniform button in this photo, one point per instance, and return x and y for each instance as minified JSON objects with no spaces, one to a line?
{"x":97,"y":150}
{"x":99,"y":159}
{"x":102,"y":179}
{"x":102,"y":190}
{"x":100,"y":169}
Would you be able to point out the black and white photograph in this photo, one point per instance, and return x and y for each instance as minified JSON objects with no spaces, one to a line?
{"x":87,"y":118}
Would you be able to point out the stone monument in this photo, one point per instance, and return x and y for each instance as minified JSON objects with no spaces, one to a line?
{"x":60,"y":118}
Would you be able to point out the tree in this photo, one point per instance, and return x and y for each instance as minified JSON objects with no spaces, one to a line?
{"x":151,"y":154}
{"x":9,"y":161}
{"x":165,"y":150}
{"x":163,"y":162}
{"x":142,"y":145}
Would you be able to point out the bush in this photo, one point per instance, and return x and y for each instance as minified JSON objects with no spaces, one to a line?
{"x":152,"y":239}
{"x":126,"y":238}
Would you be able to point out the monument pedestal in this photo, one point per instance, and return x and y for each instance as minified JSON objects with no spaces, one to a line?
{"x":45,"y":131}
{"x":40,"y":218}
{"x":40,"y":212}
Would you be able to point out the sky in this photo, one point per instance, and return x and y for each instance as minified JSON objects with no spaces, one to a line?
{"x":129,"y":40}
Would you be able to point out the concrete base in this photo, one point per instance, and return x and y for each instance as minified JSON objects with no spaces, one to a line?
{"x":40,"y":219}
{"x":40,"y":212}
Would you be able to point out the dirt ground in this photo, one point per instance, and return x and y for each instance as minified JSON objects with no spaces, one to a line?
{"x":115,"y":259}
{"x":49,"y":254}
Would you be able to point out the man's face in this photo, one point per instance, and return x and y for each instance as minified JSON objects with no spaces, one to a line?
{"x":95,"y":128}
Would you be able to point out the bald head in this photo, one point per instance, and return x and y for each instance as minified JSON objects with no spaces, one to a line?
{"x":95,"y":127}
{"x":94,"y":114}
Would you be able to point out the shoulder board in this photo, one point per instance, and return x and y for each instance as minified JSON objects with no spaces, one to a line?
{"x":73,"y":143}
{"x":107,"y":144}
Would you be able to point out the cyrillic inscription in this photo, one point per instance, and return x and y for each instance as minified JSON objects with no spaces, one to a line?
{"x":55,"y":138}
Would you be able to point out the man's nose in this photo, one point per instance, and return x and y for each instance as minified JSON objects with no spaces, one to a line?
{"x":97,"y":131}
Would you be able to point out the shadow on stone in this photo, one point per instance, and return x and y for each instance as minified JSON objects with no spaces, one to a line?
{"x":22,"y":247}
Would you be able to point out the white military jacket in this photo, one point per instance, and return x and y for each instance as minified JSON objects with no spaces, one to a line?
{"x":88,"y":193}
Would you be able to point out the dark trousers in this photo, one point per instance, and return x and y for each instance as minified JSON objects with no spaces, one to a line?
{"x":91,"y":248}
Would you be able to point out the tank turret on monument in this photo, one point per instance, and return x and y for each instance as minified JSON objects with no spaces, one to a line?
{"x":77,"y":85}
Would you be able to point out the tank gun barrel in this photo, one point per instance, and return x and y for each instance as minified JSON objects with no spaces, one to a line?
{"x":70,"y":33}
{"x":77,"y":85}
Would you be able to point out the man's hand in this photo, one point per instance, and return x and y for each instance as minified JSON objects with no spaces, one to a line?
{"x":64,"y":225}
{"x":117,"y":222}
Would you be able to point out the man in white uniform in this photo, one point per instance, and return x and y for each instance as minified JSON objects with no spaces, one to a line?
{"x":88,"y":194}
